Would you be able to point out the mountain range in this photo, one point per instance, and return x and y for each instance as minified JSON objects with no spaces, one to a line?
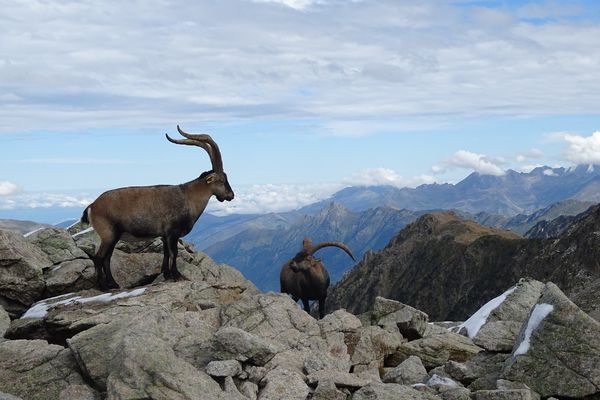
{"x":448,"y":266}
{"x":260,"y":249}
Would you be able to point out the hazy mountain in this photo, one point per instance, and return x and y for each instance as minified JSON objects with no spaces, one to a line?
{"x":22,"y":227}
{"x":211,"y":229}
{"x":445,"y":266}
{"x":510,"y":194}
{"x":259,"y":253}
{"x":522,"y":223}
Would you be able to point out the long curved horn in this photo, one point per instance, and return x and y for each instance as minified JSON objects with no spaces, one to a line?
{"x":216,"y":159}
{"x":191,"y":142}
{"x":332,"y":244}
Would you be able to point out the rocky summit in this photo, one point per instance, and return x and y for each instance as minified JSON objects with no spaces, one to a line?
{"x":215,"y":336}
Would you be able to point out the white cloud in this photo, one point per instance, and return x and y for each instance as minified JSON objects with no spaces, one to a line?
{"x":44,"y":200}
{"x":142,"y":65}
{"x":385,"y":176}
{"x":296,"y":4}
{"x":477,"y":162}
{"x":272,"y":198}
{"x":8,"y":188}
{"x":533,"y":153}
{"x":582,"y":149}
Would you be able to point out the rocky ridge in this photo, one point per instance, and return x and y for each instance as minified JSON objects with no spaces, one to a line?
{"x":447,"y":266}
{"x":215,"y":336}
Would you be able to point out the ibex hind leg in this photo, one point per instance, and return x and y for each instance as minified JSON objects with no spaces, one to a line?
{"x":103,"y":257}
{"x":175,"y":274}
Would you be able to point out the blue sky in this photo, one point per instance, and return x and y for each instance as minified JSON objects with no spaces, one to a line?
{"x":304,"y":97}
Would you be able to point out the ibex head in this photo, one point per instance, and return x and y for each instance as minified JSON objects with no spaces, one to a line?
{"x":216,"y":179}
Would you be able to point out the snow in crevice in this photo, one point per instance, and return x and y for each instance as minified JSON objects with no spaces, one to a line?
{"x":40,"y":309}
{"x":83,"y":232}
{"x":540,"y":311}
{"x":34,"y":231}
{"x":477,"y":320}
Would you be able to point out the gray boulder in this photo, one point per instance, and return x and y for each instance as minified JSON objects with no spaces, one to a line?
{"x":4,"y":322}
{"x":496,"y":328}
{"x":390,"y":391}
{"x":68,"y":315}
{"x":514,"y":394}
{"x":436,"y":350}
{"x":6,"y":396}
{"x":224,"y":368}
{"x":557,"y":352}
{"x":280,"y":383}
{"x":326,"y":390}
{"x":409,"y":372}
{"x":231,"y":342}
{"x":339,"y":378}
{"x":21,"y":272}
{"x":371,"y":345}
{"x":411,"y":323}
{"x":57,"y":244}
{"x":145,"y":366}
{"x":34,"y":369}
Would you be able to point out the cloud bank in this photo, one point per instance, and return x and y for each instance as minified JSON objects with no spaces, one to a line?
{"x":147,"y":64}
{"x":582,"y":149}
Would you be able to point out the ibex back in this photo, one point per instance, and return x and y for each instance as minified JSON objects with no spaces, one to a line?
{"x":168,"y":211}
{"x":305,"y":277}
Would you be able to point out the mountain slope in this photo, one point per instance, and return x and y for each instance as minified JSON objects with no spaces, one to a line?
{"x":431,"y":266}
{"x":259,"y":253}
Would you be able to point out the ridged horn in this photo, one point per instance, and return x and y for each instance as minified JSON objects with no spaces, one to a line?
{"x":332,"y":244}
{"x":216,"y":159}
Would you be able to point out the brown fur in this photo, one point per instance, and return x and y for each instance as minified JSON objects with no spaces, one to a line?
{"x":166,"y":211}
{"x":305,"y":277}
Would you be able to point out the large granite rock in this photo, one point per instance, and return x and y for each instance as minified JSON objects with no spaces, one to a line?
{"x":390,"y":391}
{"x":496,"y":325}
{"x":436,"y":350}
{"x":411,"y":323}
{"x":4,"y":322}
{"x":558,"y":349}
{"x":410,"y":371}
{"x":21,"y":272}
{"x":65,"y":316}
{"x":36,"y":370}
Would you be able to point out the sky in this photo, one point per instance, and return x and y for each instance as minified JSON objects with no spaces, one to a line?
{"x":304,"y":97}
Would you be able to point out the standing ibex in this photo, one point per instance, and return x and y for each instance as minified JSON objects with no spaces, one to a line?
{"x":305,"y":277}
{"x":168,"y":211}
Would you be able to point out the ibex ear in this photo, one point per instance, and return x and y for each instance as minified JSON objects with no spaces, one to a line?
{"x":211,"y":178}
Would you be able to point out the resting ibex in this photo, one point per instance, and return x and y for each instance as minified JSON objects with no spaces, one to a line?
{"x":305,"y":277}
{"x":168,"y":211}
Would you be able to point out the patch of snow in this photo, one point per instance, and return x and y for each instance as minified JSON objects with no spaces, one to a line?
{"x":73,"y":224}
{"x":477,"y":320}
{"x":34,"y":231}
{"x":549,"y":172}
{"x":56,"y":268}
{"x":540,"y":311}
{"x":83,"y":232}
{"x":437,"y":380}
{"x":40,"y":309}
{"x":590,"y":168}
